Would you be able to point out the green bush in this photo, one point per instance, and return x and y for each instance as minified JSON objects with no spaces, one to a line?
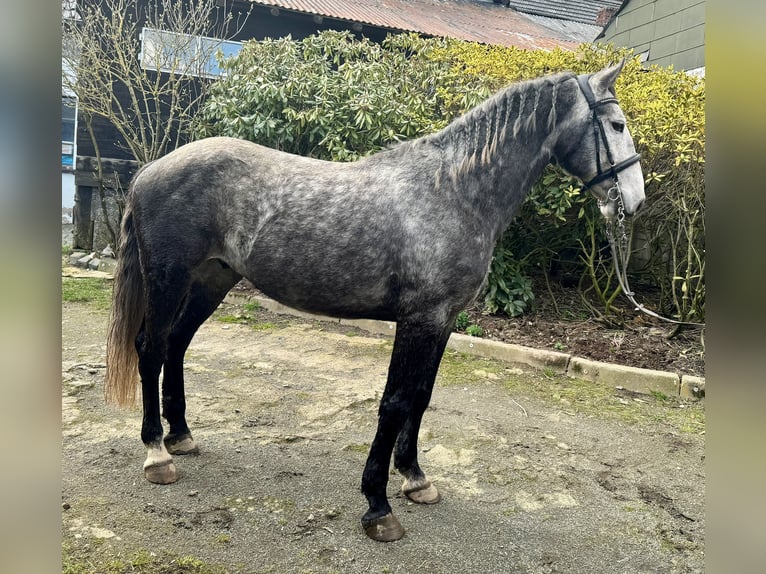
{"x":474,"y":331}
{"x":331,"y":96}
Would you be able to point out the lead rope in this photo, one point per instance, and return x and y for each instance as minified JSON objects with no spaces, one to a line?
{"x":621,"y":254}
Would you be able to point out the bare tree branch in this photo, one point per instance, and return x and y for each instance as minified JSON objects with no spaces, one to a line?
{"x":149,"y":98}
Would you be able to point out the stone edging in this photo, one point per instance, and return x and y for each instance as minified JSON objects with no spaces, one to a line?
{"x":630,"y":378}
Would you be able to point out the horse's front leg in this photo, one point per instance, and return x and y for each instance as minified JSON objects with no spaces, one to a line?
{"x":418,"y":348}
{"x":417,"y":487}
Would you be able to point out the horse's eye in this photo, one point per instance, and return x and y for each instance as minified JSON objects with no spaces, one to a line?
{"x":618,"y":126}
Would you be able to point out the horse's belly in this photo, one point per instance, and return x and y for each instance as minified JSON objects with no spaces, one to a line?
{"x":348,"y":291}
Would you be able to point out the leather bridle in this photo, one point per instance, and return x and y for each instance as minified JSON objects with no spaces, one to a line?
{"x":599,"y":134}
{"x":619,"y":244}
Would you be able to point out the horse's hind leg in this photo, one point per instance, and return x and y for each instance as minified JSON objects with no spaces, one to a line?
{"x":210,"y":286}
{"x":166,"y":287}
{"x":418,"y":348}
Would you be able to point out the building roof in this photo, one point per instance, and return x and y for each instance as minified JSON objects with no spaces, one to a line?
{"x":577,"y":30}
{"x":584,"y":11}
{"x":614,"y":15}
{"x":473,"y":20}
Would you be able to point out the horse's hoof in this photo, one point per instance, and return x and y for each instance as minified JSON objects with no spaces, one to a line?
{"x":183,"y":444}
{"x":384,"y":529}
{"x":164,"y":473}
{"x":421,"y":492}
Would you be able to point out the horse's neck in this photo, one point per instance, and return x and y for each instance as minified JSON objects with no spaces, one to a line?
{"x":495,"y":153}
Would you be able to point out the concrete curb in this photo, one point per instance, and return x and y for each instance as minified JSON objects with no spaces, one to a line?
{"x":633,"y":379}
{"x":510,"y":353}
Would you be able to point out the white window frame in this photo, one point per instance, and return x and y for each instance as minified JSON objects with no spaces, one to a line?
{"x":73,"y":143}
{"x":184,"y":54}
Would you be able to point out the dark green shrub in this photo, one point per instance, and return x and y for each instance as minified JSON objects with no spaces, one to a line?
{"x":329,"y":96}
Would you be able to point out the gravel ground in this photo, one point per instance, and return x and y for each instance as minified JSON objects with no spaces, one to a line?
{"x":538,"y":474}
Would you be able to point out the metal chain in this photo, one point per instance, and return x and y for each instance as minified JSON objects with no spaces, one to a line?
{"x":621,"y":253}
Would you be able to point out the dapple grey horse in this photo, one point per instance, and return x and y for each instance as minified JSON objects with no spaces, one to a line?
{"x":404,"y":235}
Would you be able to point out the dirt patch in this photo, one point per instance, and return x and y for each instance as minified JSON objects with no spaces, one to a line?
{"x":539,"y":474}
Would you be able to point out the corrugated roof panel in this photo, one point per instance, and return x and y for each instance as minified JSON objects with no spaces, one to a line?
{"x":584,"y":11}
{"x":575,"y":31}
{"x":473,"y":20}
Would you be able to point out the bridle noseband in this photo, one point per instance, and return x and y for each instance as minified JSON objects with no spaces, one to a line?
{"x":599,"y":135}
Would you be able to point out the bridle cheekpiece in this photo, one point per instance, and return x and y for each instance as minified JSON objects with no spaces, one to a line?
{"x":599,"y":134}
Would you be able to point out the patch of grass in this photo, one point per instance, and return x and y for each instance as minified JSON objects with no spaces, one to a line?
{"x":251,"y":306}
{"x":573,"y":395}
{"x":596,"y":399}
{"x":462,"y":369}
{"x":92,"y":290}
{"x":89,"y":560}
{"x":245,"y":314}
{"x":694,"y":422}
{"x":223,"y":539}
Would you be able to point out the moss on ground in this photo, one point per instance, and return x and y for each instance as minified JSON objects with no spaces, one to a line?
{"x":104,"y":561}
{"x":573,"y":395}
{"x":92,"y":290}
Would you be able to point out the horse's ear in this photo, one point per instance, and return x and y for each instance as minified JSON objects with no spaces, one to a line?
{"x":605,"y":79}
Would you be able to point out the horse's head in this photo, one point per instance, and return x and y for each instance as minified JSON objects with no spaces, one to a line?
{"x":597,"y":146}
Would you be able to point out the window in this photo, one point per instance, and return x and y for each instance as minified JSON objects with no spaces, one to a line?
{"x":68,"y":131}
{"x":184,"y":54}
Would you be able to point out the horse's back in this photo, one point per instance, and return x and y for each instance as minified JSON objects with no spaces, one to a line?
{"x":359,"y":239}
{"x":201,"y":168}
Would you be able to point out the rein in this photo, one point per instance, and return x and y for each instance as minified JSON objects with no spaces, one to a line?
{"x":619,"y":246}
{"x":621,"y":255}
